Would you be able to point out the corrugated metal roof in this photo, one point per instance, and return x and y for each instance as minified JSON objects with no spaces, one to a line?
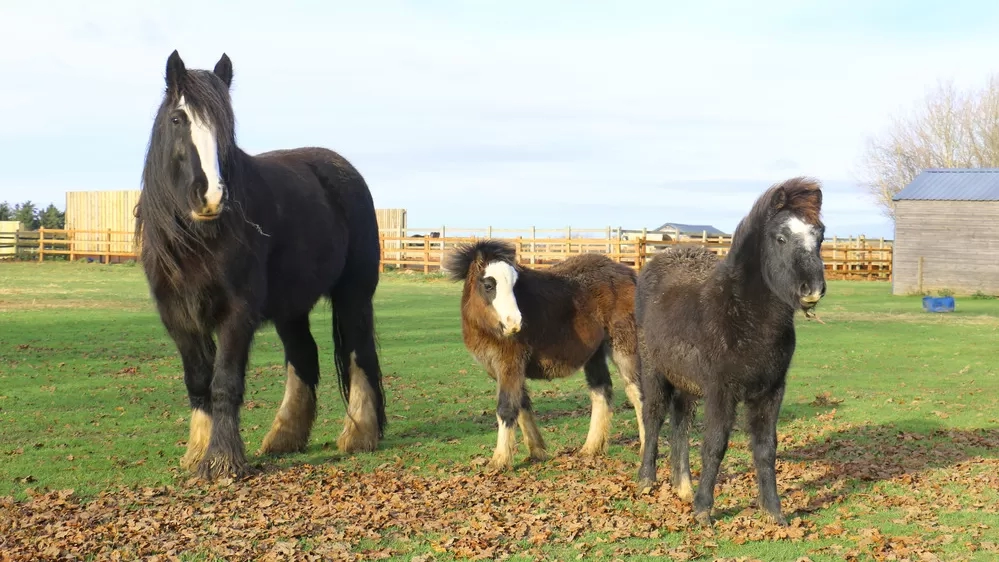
{"x":952,"y":184}
{"x":691,"y":228}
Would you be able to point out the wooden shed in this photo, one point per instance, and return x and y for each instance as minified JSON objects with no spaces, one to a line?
{"x":947,"y":232}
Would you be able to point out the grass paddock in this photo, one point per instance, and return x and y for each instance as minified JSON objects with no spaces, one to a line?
{"x":888,"y":442}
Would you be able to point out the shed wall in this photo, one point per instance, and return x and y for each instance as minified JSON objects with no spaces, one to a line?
{"x":958,"y":241}
{"x":100,"y":212}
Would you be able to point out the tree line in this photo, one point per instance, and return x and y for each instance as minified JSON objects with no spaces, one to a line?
{"x":949,"y":128}
{"x":31,"y":216}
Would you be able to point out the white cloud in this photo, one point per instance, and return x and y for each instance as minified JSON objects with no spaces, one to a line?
{"x":429,"y":103}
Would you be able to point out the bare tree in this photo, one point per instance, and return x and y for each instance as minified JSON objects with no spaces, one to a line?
{"x":951,"y":129}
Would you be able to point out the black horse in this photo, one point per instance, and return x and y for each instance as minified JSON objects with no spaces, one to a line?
{"x":723,"y":331}
{"x":230,"y":241}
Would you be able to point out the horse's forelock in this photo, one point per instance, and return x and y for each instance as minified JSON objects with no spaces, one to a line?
{"x":804,"y":198}
{"x":207,"y":96}
{"x":467,"y":259}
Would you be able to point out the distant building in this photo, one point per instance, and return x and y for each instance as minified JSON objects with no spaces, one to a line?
{"x":676,"y":231}
{"x":947,"y":232}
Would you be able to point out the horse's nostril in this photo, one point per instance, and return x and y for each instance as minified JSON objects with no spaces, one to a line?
{"x":803,"y":289}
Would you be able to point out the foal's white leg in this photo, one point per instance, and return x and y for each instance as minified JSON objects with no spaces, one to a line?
{"x":506,"y":446}
{"x":600,"y":418}
{"x":535,"y":443}
{"x":627,"y":364}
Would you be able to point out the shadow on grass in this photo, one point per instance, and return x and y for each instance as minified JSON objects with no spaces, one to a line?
{"x":841,"y":464}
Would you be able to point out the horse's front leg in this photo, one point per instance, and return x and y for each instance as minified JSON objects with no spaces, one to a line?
{"x":719,"y":413}
{"x":510,"y":380}
{"x":197,"y":353}
{"x":763,"y":414}
{"x":226,"y":456}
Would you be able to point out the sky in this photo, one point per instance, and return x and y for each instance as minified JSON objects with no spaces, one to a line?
{"x":510,"y":113}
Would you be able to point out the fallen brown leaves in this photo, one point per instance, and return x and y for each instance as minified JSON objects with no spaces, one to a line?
{"x":586,"y":508}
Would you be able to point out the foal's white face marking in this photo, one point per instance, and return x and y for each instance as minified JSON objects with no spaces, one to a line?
{"x":505,"y":303}
{"x":204,"y":140}
{"x":803,"y":232}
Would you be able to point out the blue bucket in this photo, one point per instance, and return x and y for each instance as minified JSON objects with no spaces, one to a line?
{"x":938,"y":304}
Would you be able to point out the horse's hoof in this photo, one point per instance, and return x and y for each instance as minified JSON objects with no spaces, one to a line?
{"x":281,"y":441}
{"x":704,"y":519}
{"x":499,"y":465}
{"x":216,"y":466}
{"x":191,"y":459}
{"x":777,"y":519}
{"x":539,"y":455}
{"x":645,"y":486}
{"x":592,"y":451}
{"x":684,"y":491}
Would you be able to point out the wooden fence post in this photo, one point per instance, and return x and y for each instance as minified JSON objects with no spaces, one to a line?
{"x":381,"y":253}
{"x":426,"y":253}
{"x":443,"y":243}
{"x":41,"y":244}
{"x":534,"y":238}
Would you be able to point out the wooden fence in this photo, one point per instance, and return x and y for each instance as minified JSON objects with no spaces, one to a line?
{"x":855,"y":258}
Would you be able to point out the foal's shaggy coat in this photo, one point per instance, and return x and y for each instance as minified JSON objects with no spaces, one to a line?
{"x":522,"y":324}
{"x":723,"y":331}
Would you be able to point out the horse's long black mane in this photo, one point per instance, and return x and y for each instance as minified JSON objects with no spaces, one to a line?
{"x":161,"y":212}
{"x":460,"y":260}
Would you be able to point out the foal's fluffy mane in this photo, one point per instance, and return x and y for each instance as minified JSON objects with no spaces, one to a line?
{"x":461,"y":259}
{"x":802,"y":197}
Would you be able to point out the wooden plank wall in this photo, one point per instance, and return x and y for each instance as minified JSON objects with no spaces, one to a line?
{"x":957,"y":242}
{"x":8,"y":237}
{"x":391,"y":220}
{"x":97,"y":213}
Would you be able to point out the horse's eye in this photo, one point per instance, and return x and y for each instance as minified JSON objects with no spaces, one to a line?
{"x":489,"y":283}
{"x":175,"y":120}
{"x":781,"y":240}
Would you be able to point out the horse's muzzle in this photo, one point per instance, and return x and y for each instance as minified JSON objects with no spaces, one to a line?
{"x":207,"y":213}
{"x":510,"y":327}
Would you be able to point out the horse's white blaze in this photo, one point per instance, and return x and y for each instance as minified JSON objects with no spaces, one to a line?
{"x":505,"y":302}
{"x":804,"y":231}
{"x":204,"y":141}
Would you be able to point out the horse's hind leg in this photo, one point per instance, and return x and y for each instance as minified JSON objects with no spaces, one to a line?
{"x":656,"y":396}
{"x":599,"y":380}
{"x":293,"y":423}
{"x":681,"y":415}
{"x":762,"y":416}
{"x":627,"y":361}
{"x":358,"y":369}
{"x":525,"y":418}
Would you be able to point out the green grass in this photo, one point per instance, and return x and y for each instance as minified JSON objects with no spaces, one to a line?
{"x":92,"y":398}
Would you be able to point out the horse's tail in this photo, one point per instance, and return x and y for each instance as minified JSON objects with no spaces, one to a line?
{"x":359,"y":374}
{"x":341,"y":357}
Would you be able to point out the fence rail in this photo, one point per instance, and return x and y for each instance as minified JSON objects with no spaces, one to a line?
{"x":844,"y":259}
{"x":855,"y":258}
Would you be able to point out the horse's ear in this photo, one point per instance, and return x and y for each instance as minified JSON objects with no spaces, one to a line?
{"x":175,"y":71}
{"x":779,"y":199}
{"x":223,"y":69}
